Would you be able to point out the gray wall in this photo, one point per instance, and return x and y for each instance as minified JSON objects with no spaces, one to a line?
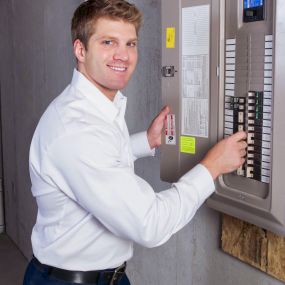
{"x":36,"y":64}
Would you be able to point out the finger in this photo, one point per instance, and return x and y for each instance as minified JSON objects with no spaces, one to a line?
{"x":242,"y":145}
{"x":242,"y":153}
{"x":163,"y":113}
{"x":165,"y":110}
{"x":241,"y":135}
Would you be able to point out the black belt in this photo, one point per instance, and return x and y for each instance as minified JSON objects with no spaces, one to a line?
{"x":111,"y":276}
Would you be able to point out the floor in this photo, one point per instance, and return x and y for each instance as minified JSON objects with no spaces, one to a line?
{"x":12,"y":263}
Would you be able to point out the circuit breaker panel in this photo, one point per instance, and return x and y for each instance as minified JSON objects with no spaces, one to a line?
{"x":223,"y":71}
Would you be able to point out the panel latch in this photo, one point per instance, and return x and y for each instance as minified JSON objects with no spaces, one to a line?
{"x":168,"y":71}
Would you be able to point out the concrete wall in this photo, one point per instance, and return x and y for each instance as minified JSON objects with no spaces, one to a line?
{"x":36,"y":64}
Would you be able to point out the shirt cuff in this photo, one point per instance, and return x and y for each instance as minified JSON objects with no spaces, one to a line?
{"x":140,"y":145}
{"x":200,"y":177}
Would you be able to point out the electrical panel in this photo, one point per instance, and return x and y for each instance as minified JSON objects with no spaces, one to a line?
{"x":223,"y":70}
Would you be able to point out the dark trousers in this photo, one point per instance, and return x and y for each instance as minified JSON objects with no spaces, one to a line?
{"x":36,"y":276}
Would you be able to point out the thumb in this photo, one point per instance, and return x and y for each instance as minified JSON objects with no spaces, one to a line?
{"x":241,"y":135}
{"x":164,"y":112}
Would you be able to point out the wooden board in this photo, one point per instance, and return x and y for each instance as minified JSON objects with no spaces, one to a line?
{"x":255,"y":246}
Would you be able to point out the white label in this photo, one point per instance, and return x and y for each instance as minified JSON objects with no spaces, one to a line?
{"x":230,"y":47}
{"x":230,"y":80}
{"x":230,"y":54}
{"x":268,"y":59}
{"x":228,"y":131}
{"x":268,"y":66}
{"x":267,"y":95}
{"x":266,"y":137}
{"x":268,"y":38}
{"x":265,"y":172}
{"x":267,"y":80}
{"x":267,"y":102}
{"x":265,"y":179}
{"x":267,"y":116}
{"x":265,"y":165}
{"x":230,"y":73}
{"x":267,"y":87}
{"x":230,"y":60}
{"x":229,"y":112}
{"x":267,"y":109}
{"x":266,"y":130}
{"x":229,"y":118}
{"x":230,"y":41}
{"x":230,"y":93}
{"x":170,"y":133}
{"x":267,"y":73}
{"x":229,"y":125}
{"x":230,"y":67}
{"x":266,"y":151}
{"x":266,"y":123}
{"x":230,"y":86}
{"x":195,"y":70}
{"x":268,"y":45}
{"x":266,"y":158}
{"x":266,"y":144}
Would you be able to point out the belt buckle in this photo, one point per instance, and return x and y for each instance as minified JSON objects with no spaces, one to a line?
{"x":116,"y":272}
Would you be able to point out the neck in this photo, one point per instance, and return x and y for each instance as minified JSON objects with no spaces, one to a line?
{"x":109,"y":93}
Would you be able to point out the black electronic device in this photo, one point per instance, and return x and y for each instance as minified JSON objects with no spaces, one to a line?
{"x":253,"y":10}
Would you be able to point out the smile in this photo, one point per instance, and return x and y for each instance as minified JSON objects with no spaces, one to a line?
{"x":118,"y":68}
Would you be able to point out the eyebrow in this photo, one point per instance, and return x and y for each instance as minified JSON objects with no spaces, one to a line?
{"x":115,"y":38}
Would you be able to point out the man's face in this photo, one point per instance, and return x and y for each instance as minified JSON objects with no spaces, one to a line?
{"x":111,"y":56}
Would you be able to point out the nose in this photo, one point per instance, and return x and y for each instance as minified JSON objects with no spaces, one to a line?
{"x":121,"y":53}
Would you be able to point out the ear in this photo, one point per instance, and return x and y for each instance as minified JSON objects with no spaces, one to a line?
{"x":79,"y":50}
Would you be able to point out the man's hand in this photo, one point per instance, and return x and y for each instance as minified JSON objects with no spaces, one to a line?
{"x":156,"y":127}
{"x":227,"y":155}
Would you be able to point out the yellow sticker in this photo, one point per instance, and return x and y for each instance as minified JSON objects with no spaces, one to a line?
{"x":170,"y":37}
{"x":188,"y":144}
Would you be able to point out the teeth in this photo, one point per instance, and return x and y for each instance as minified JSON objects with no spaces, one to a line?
{"x":118,"y":68}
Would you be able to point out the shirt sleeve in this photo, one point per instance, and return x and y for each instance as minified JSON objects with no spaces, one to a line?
{"x":89,"y":169}
{"x":140,"y":145}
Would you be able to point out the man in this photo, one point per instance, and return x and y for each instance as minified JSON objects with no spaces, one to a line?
{"x":91,"y":204}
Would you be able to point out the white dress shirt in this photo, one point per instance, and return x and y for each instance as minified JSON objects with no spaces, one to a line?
{"x":91,"y":204}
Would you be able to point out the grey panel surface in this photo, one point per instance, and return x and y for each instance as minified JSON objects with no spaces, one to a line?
{"x":173,"y":162}
{"x":250,"y":200}
{"x":191,"y":257}
{"x":254,"y":201}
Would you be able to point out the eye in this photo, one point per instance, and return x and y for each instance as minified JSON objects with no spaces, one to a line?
{"x":107,"y":42}
{"x":132,"y":44}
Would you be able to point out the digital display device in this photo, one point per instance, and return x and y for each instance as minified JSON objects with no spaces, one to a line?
{"x":253,"y":10}
{"x":252,"y":3}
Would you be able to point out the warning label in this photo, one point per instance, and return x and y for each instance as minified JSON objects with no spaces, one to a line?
{"x":170,"y":133}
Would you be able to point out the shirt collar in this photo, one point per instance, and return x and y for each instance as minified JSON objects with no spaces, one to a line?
{"x":108,"y":108}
